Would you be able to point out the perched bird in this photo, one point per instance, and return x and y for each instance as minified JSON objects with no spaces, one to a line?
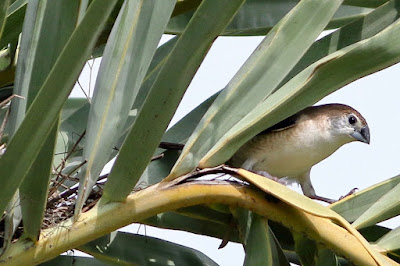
{"x":292,"y":147}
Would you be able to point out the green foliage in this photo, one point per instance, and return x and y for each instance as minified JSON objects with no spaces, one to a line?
{"x":138,"y":89}
{"x":125,"y":248}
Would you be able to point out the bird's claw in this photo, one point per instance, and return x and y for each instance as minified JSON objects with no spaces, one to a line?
{"x":351,"y":192}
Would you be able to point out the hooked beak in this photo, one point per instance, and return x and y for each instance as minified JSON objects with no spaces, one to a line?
{"x":362,"y":135}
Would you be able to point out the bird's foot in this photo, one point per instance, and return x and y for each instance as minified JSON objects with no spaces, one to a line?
{"x":327,"y":200}
{"x":330,"y":201}
{"x":351,"y":192}
{"x":276,"y":179}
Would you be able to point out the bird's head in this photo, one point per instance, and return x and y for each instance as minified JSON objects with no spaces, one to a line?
{"x":347,"y":123}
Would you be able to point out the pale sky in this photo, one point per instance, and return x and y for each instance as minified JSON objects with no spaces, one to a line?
{"x":355,"y":165}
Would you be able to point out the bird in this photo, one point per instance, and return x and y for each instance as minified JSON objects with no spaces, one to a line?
{"x":289,"y":149}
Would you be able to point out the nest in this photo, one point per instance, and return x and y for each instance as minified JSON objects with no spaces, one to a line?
{"x":60,"y":203}
{"x":61,"y":208}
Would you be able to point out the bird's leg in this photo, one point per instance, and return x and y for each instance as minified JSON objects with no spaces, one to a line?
{"x":309,"y":191}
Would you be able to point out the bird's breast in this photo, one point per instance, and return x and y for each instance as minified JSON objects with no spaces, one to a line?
{"x":288,"y":153}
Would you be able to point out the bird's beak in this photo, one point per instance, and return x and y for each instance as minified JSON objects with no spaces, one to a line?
{"x":362,"y":135}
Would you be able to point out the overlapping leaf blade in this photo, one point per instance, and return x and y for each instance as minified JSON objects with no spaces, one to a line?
{"x":367,"y":26}
{"x":13,"y":213}
{"x":360,"y":29}
{"x":34,"y":188}
{"x":158,"y":61}
{"x":258,"y":17}
{"x":183,"y":6}
{"x":258,"y":77}
{"x":14,"y":22}
{"x":73,"y":122}
{"x":312,"y":254}
{"x":11,"y":30}
{"x":383,"y":208}
{"x":76,"y":111}
{"x":179,"y":133}
{"x":130,"y":48}
{"x":309,"y":206}
{"x":311,"y":85}
{"x":258,"y":240}
{"x":210,"y":19}
{"x":390,"y":241}
{"x":53,"y":25}
{"x":354,"y":206}
{"x":43,"y":113}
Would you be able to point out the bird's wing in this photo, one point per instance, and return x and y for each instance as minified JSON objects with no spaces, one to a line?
{"x":284,"y":124}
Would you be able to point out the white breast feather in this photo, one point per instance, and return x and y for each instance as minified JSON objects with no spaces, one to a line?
{"x":292,"y":152}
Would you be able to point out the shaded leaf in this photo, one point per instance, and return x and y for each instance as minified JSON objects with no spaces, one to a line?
{"x":204,"y":212}
{"x":373,"y":233}
{"x":258,"y":17}
{"x":176,"y":221}
{"x":306,"y":249}
{"x":326,"y":257}
{"x":3,"y":14}
{"x":183,"y":6}
{"x":6,"y":92}
{"x":71,"y":260}
{"x":125,"y":248}
{"x":258,"y":240}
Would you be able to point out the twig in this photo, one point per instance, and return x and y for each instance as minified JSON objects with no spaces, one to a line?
{"x":83,"y":90}
{"x":171,"y":145}
{"x":71,"y":151}
{"x":57,"y":182}
{"x":65,"y":194}
{"x":61,"y":166}
{"x":157,"y":157}
{"x":3,"y":103}
{"x":3,"y":124}
{"x":221,"y":169}
{"x":5,"y":119}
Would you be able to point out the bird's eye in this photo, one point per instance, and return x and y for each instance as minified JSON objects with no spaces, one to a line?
{"x":352,"y":120}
